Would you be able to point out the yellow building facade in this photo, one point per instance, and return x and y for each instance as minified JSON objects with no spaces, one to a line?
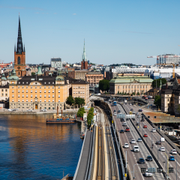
{"x":37,"y":92}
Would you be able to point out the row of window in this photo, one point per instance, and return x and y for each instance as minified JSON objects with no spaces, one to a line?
{"x":35,"y":91}
{"x":126,"y":87}
{"x":36,"y":83}
{"x":3,"y":90}
{"x":35,"y":96}
{"x":33,"y":101}
{"x":36,"y":87}
{"x":78,"y":92}
{"x":3,"y":94}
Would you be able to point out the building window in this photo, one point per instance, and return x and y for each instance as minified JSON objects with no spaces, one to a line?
{"x":26,"y":87}
{"x":53,"y":96}
{"x":31,"y":91}
{"x":49,"y":87}
{"x":58,"y":91}
{"x":12,"y":91}
{"x":18,"y":96}
{"x":19,"y":60}
{"x":52,"y":91}
{"x":26,"y":95}
{"x":31,"y":96}
{"x":35,"y":91}
{"x":22,"y":96}
{"x":49,"y":96}
{"x":18,"y":91}
{"x":59,"y":96}
{"x":44,"y":91}
{"x":49,"y":91}
{"x":45,"y":96}
{"x":40,"y":96}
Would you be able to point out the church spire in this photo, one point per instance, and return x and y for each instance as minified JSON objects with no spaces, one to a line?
{"x":19,"y":40}
{"x":84,"y":53}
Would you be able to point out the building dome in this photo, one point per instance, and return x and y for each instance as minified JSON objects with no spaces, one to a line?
{"x":59,"y":77}
{"x":13,"y":76}
{"x":3,"y":78}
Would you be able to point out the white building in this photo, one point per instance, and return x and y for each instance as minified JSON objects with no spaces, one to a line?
{"x":56,"y":63}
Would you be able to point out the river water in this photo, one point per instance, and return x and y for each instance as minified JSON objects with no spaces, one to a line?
{"x":30,"y":149}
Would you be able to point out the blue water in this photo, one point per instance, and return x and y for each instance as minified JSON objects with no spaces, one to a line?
{"x":30,"y":149}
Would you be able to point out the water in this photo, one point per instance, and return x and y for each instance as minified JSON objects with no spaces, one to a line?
{"x":30,"y":149}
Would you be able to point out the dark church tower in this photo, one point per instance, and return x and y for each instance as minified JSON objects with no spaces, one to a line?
{"x":19,"y":55}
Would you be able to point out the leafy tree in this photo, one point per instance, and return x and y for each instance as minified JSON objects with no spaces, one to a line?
{"x":70,"y":100}
{"x":104,"y":85}
{"x":80,"y":112}
{"x":90,"y":116}
{"x":33,"y":73}
{"x":79,"y":101}
{"x":157,"y":82}
{"x":138,"y":93}
{"x":157,"y":101}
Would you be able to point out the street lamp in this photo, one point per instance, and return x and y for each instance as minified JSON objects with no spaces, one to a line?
{"x":133,"y":170}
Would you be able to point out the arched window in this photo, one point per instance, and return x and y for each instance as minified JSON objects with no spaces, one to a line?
{"x":19,"y":60}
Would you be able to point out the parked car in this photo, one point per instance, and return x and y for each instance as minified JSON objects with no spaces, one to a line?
{"x":141,"y":161}
{"x":153,"y":130}
{"x":145,"y":135}
{"x":43,"y":110}
{"x":133,"y":141}
{"x":127,"y":129}
{"x":158,"y":142}
{"x":10,"y":110}
{"x":162,"y":149}
{"x":173,"y":151}
{"x":140,"y":110}
{"x":139,"y":140}
{"x":149,"y":158}
{"x":122,"y":131}
{"x":171,"y":158}
{"x":145,"y":126}
{"x":126,"y":145}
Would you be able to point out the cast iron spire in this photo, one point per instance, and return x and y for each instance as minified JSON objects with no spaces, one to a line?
{"x":19,"y":40}
{"x":84,"y":53}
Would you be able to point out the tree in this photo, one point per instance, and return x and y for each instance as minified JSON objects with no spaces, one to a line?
{"x":104,"y":85}
{"x":156,"y":82}
{"x":138,"y":93}
{"x":157,"y":101}
{"x":90,"y":116}
{"x":33,"y":73}
{"x":80,"y":112}
{"x":79,"y":101}
{"x":70,"y":100}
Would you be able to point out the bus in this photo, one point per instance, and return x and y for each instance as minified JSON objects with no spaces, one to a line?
{"x":114,"y":103}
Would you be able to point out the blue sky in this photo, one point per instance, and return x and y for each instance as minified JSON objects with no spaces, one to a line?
{"x":115,"y":31}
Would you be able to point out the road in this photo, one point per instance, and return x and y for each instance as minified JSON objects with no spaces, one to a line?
{"x":132,"y":157}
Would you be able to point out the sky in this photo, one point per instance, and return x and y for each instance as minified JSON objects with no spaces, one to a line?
{"x":115,"y":31}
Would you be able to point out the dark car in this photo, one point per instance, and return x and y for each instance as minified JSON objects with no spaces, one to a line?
{"x":149,"y":158}
{"x":131,"y":109}
{"x":171,"y":158}
{"x":158,"y":142}
{"x":127,"y":129}
{"x":122,"y":131}
{"x":119,"y":111}
{"x":141,"y":161}
{"x":140,"y":110}
{"x":142,"y":120}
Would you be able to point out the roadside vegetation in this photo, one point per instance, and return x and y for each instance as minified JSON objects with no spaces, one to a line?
{"x":90,"y":117}
{"x":75,"y":101}
{"x":80,"y":112}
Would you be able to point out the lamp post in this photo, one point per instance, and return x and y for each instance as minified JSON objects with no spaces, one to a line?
{"x":133,"y":170}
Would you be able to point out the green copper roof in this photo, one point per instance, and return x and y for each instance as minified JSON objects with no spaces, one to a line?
{"x":3,"y":78}
{"x":84,"y":53}
{"x":39,"y":71}
{"x":13,"y":76}
{"x":131,"y":79}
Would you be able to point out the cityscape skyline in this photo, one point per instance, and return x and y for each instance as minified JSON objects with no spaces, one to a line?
{"x":119,"y":31}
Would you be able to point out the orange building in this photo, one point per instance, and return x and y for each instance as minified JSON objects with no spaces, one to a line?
{"x":19,"y":55}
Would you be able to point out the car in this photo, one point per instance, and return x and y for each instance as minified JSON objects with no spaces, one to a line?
{"x":145,"y":135}
{"x":171,"y":158}
{"x":141,"y":161}
{"x":127,"y":129}
{"x":162,"y":149}
{"x":148,"y":174}
{"x":162,"y":139}
{"x":119,"y":111}
{"x":153,"y":130}
{"x":142,"y":120}
{"x":43,"y":110}
{"x":29,"y":110}
{"x":136,"y":148}
{"x":10,"y":110}
{"x":133,"y":141}
{"x":173,"y":151}
{"x":114,"y":110}
{"x":140,"y":110}
{"x":145,"y":126}
{"x":139,"y":140}
{"x":115,"y":113}
{"x":124,"y":123}
{"x":126,"y":145}
{"x":158,"y":142}
{"x":122,"y":131}
{"x":149,"y":158}
{"x":131,"y":109}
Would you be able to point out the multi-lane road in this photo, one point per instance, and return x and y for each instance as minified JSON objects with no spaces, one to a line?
{"x":132,"y":157}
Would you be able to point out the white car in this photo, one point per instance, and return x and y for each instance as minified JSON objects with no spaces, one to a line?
{"x":136,"y":148}
{"x":133,"y":141}
{"x":153,"y":130}
{"x":139,"y":140}
{"x":126,"y":145}
{"x":148,"y":174}
{"x":173,"y":151}
{"x":162,"y":149}
{"x":10,"y":110}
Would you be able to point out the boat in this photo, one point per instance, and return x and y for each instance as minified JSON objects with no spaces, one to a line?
{"x":59,"y":119}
